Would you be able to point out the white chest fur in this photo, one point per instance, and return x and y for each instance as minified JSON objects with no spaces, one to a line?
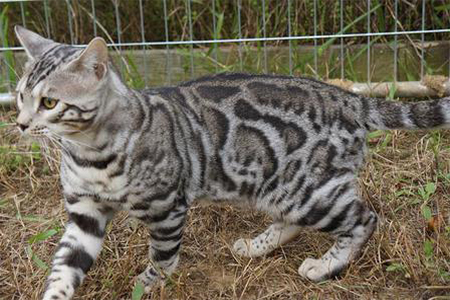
{"x":90,"y":180}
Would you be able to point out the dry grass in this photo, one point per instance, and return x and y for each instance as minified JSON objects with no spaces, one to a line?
{"x":394,"y":265}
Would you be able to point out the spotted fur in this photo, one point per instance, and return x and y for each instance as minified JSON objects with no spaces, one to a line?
{"x":288,"y":146}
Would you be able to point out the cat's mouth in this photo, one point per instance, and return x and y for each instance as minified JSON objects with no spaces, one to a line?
{"x":40,"y":134}
{"x":41,"y":131}
{"x":34,"y":132}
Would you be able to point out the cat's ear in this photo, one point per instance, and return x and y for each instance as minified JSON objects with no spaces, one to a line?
{"x":33,"y":43}
{"x":93,"y":59}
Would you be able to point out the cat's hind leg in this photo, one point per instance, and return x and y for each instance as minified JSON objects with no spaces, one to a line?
{"x":276,"y":235}
{"x":353,"y":225}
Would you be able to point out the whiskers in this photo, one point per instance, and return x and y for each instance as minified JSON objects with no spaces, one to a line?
{"x":57,"y":143}
{"x":73,"y":142}
{"x":52,"y":145}
{"x":50,"y":152}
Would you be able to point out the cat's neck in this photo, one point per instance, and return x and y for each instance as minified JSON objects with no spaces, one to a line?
{"x":114,"y":107}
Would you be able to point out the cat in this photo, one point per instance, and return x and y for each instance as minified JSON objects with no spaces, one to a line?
{"x":287,"y":146}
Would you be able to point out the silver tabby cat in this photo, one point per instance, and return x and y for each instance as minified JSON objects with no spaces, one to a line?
{"x":290,"y":147}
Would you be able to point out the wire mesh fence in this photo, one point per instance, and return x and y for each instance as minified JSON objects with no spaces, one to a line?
{"x":166,"y":41}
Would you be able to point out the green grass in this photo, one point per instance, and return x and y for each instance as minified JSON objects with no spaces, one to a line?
{"x":214,"y":58}
{"x":10,"y":76}
{"x":138,"y":292}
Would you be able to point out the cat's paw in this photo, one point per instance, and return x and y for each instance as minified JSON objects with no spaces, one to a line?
{"x":149,"y":279}
{"x":56,"y":295}
{"x":315,"y":270}
{"x":242,"y":247}
{"x":58,"y":288}
{"x":252,"y":248}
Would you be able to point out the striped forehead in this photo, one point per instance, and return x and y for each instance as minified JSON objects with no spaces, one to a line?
{"x":48,"y":62}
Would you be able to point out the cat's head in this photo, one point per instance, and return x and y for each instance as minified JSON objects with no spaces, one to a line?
{"x":61,"y":90}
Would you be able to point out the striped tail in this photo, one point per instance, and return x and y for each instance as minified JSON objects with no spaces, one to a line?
{"x":384,"y":114}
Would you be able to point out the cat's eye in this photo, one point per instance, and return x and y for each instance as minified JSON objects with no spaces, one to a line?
{"x":48,"y":102}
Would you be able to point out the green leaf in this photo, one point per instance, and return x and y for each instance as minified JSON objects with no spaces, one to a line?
{"x":35,"y":147}
{"x":33,"y":218}
{"x":138,"y":291}
{"x":42,"y":236}
{"x":7,"y":55}
{"x":392,"y":90}
{"x":386,"y":140}
{"x":375,"y":134}
{"x":416,"y":201}
{"x":3,"y":202}
{"x":39,"y":262}
{"x":430,"y":188}
{"x":380,"y":16}
{"x":442,"y":7}
{"x":428,"y":249}
{"x":422,"y":194}
{"x":36,"y":259}
{"x":444,"y":274}
{"x":394,"y":267}
{"x":403,"y":192}
{"x":220,"y":18}
{"x":426,"y":212}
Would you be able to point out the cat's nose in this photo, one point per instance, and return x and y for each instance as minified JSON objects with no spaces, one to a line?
{"x":22,"y":127}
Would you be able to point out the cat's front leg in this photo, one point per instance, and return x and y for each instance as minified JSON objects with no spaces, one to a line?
{"x":166,"y":232}
{"x":78,"y":248}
